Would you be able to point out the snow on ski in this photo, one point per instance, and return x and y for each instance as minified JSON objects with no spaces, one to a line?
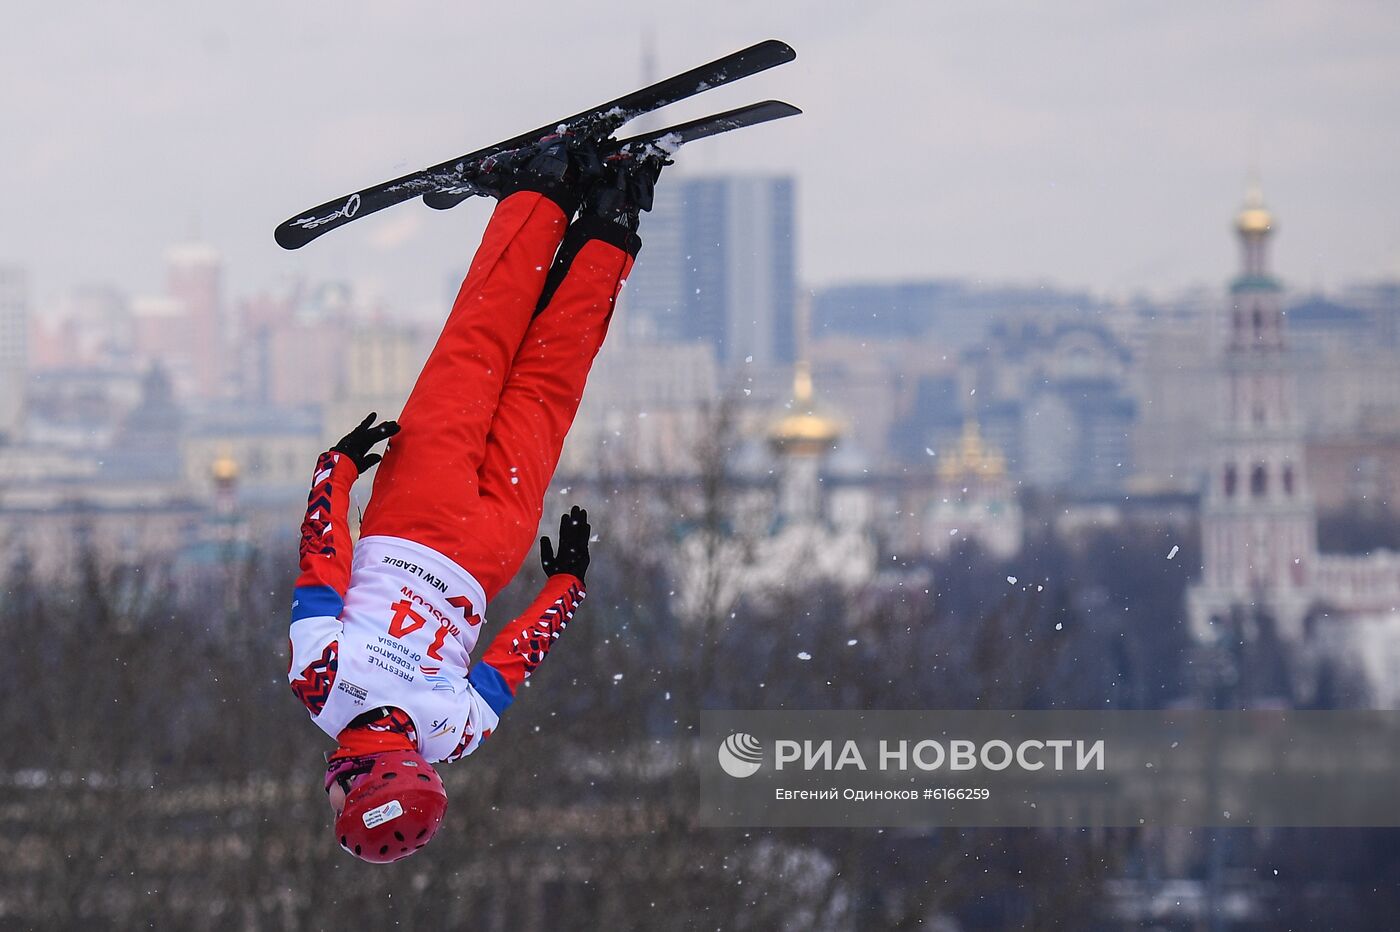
{"x":667,"y":140}
{"x":599,"y":122}
{"x":671,"y":138}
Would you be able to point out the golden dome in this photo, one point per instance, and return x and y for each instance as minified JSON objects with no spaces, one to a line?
{"x":224,"y":468}
{"x":804,"y":431}
{"x":972,"y":458}
{"x":1254,"y":218}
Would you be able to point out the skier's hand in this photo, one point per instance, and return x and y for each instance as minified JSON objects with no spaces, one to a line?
{"x":358,"y":442}
{"x":573,"y":546}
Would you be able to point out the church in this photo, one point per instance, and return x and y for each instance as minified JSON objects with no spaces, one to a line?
{"x":1263,"y":578}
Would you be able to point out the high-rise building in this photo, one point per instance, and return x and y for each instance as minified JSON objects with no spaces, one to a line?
{"x":381,"y":361}
{"x":1052,"y":394}
{"x":14,"y":353}
{"x":720,"y":268}
{"x":294,"y":345}
{"x":194,"y":274}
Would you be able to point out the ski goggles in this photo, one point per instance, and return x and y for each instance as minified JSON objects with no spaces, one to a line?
{"x":347,"y":772}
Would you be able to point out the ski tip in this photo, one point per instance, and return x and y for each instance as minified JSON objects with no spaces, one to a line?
{"x":289,"y":237}
{"x":777,"y":47}
{"x":781,"y":108}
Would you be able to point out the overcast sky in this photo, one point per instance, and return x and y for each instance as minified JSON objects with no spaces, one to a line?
{"x":1099,"y":144}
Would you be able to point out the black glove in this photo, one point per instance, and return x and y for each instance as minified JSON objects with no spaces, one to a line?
{"x":357,"y":443}
{"x":573,"y":546}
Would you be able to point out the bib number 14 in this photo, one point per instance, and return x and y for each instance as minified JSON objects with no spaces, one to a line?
{"x":406,"y":621}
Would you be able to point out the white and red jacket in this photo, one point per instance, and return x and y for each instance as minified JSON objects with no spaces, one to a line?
{"x":395,"y":627}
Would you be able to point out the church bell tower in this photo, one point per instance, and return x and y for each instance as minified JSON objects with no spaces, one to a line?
{"x":1258,"y":525}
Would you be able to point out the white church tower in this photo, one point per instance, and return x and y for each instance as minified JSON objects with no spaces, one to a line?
{"x":1258,"y":527}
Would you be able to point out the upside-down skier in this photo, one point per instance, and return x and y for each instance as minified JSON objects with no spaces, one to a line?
{"x":381,"y":640}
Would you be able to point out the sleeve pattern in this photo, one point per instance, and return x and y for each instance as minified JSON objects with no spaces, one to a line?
{"x":325,"y":540}
{"x":532,"y":643}
{"x":523,"y":644}
{"x":313,"y":686}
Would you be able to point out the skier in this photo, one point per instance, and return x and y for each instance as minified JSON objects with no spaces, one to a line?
{"x":380,"y":643}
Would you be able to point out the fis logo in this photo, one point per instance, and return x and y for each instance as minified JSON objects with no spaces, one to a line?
{"x":740,"y":755}
{"x":442,"y":728}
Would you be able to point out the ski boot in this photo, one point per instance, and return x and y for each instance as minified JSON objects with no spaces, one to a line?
{"x":559,"y":166}
{"x":610,"y":207}
{"x":627,"y":186}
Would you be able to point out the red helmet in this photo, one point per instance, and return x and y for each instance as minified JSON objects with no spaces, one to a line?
{"x":393,"y":806}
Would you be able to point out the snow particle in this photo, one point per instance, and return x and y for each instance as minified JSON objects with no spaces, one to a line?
{"x":1011,"y":580}
{"x":803,"y":655}
{"x":1172,"y":555}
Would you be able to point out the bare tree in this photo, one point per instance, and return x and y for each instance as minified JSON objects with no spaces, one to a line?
{"x":160,"y":774}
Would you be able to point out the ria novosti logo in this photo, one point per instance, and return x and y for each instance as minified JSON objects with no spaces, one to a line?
{"x":740,"y":755}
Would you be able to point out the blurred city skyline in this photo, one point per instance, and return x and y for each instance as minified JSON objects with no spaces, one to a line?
{"x":1084,"y":145}
{"x":973,"y":387}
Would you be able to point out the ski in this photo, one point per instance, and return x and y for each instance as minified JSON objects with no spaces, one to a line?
{"x":598,"y":121}
{"x":661,"y":142}
{"x":666,"y":141}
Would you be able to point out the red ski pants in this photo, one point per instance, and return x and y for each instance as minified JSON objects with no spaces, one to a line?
{"x":483,"y":428}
